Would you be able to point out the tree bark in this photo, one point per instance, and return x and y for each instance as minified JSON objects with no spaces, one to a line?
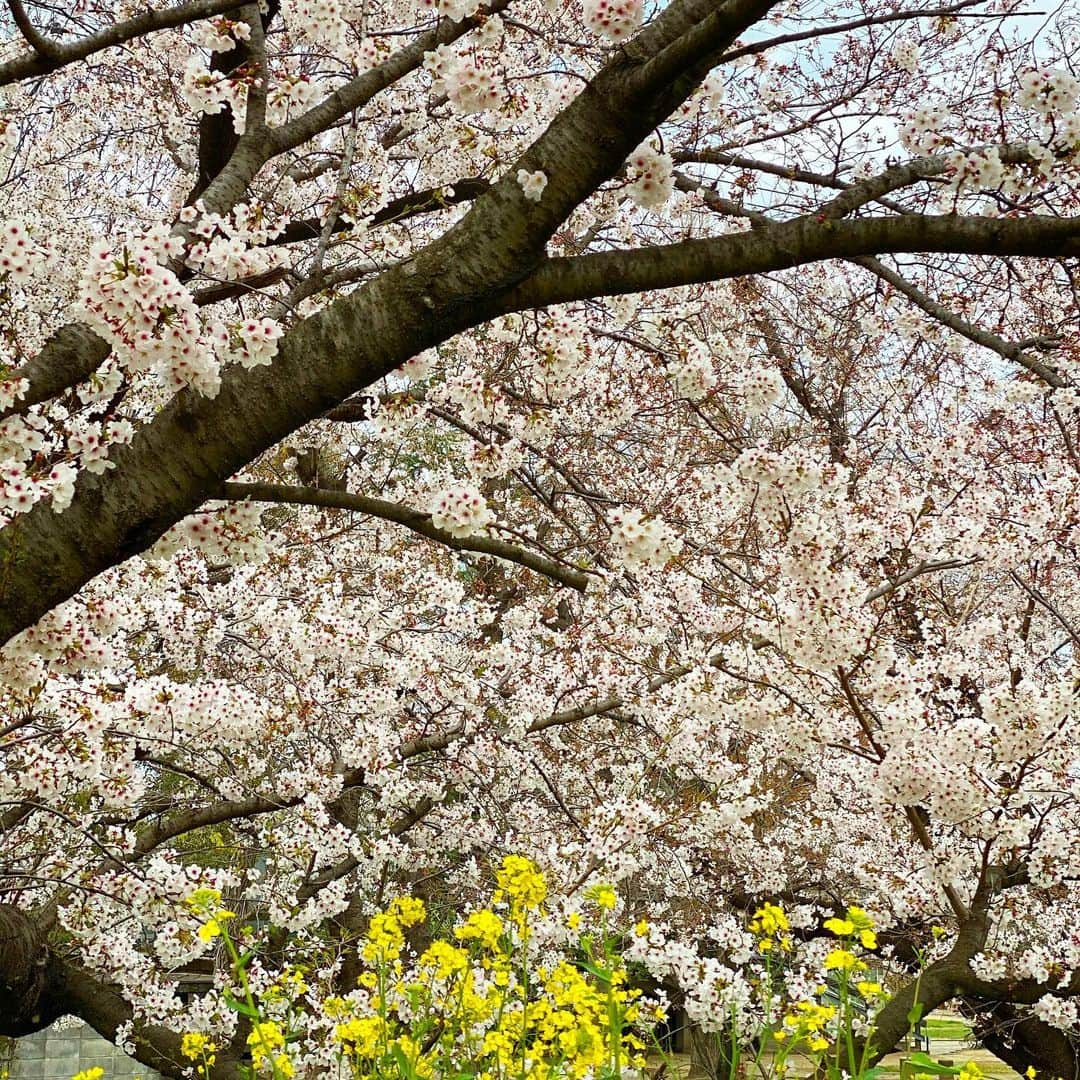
{"x":31,"y":981}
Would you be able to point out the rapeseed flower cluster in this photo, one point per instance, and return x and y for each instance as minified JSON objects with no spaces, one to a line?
{"x":200,"y":1048}
{"x":771,"y":927}
{"x":479,"y":1005}
{"x":821,"y":1027}
{"x":207,"y":902}
{"x":808,"y":1022}
{"x":386,"y":931}
{"x":521,"y":886}
{"x":267,"y":1045}
{"x":856,"y":926}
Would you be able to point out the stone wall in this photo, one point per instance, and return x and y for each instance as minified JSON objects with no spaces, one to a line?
{"x":59,"y":1054}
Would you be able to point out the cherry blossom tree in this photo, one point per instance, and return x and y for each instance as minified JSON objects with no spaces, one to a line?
{"x":640,"y":437}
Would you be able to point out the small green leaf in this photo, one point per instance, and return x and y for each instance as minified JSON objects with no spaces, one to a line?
{"x":593,"y":969}
{"x":242,"y":1007}
{"x":404,"y":1065}
{"x":915,"y":1013}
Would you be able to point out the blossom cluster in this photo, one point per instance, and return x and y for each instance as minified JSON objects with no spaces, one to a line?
{"x":140,"y":307}
{"x":462,"y":511}
{"x":652,"y":177}
{"x":220,"y":34}
{"x":208,"y":92}
{"x":1050,"y":91}
{"x":615,"y":20}
{"x":922,"y":130}
{"x":234,"y":245}
{"x":693,"y":373}
{"x":231,"y":534}
{"x":145,"y":313}
{"x":532,"y":183}
{"x":642,"y":540}
{"x":905,"y":55}
{"x":471,"y":86}
{"x":20,"y":254}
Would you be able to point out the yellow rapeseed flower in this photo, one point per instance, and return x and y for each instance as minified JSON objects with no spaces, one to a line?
{"x":409,"y":910}
{"x":482,"y":926}
{"x":361,"y":1035}
{"x":195,"y":1045}
{"x":265,"y":1040}
{"x":445,"y":959}
{"x":843,"y":960}
{"x":840,"y":927}
{"x":521,"y":883}
{"x":770,"y":925}
{"x":96,"y":1073}
{"x":213,"y":926}
{"x":769,"y":920}
{"x":203,"y":901}
{"x":859,"y":917}
{"x":603,"y":896}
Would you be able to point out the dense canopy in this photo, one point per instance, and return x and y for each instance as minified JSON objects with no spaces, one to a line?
{"x":639,"y":437}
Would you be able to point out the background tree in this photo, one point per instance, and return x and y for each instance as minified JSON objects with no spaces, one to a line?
{"x":646,"y":440}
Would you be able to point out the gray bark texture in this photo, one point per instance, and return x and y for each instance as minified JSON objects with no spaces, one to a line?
{"x":493,"y":261}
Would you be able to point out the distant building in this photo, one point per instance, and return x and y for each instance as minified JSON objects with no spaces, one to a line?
{"x":64,"y":1049}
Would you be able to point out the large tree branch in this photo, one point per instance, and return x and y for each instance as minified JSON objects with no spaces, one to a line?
{"x":938,"y":982}
{"x":194,"y":444}
{"x":71,"y":355}
{"x":58,"y":54}
{"x":412,"y":519}
{"x":1023,"y":1041}
{"x":784,"y":245}
{"x":105,"y":1010}
{"x":34,"y":38}
{"x":39,"y":986}
{"x":357,"y":93}
{"x":1010,"y":350}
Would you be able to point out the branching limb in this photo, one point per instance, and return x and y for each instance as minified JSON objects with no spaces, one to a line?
{"x":844,"y":28}
{"x":784,"y":245}
{"x":43,"y":46}
{"x":354,"y":95}
{"x":71,"y":355}
{"x":926,"y":567}
{"x":406,"y":206}
{"x":60,"y":54}
{"x":1010,"y":350}
{"x":412,"y":519}
{"x":739,"y":161}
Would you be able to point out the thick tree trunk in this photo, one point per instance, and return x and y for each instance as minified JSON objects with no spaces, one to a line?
{"x":29,"y":977}
{"x":38,"y":987}
{"x":1025,"y":1041}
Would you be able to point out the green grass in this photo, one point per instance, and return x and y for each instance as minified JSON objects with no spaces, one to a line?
{"x":940,"y":1028}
